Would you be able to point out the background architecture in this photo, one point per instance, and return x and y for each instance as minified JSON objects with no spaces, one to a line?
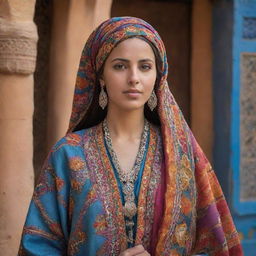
{"x":211,"y":47}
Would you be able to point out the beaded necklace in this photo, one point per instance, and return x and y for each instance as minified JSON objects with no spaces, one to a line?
{"x":128,"y":178}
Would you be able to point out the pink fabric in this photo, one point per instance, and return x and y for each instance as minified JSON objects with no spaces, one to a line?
{"x":159,"y":209}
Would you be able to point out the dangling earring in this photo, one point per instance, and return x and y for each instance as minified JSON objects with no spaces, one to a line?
{"x":103,"y":97}
{"x":152,"y":101}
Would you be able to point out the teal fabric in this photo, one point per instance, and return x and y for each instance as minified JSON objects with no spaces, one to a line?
{"x":48,"y":229}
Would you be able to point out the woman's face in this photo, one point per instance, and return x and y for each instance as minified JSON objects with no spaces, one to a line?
{"x":129,"y":74}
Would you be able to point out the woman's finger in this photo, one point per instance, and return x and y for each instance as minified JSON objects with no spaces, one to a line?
{"x":136,"y":250}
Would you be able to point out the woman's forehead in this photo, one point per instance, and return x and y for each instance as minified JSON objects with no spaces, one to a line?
{"x":132,"y":48}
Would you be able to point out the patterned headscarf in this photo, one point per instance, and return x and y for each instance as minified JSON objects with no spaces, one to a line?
{"x":179,"y":146}
{"x":96,"y":50}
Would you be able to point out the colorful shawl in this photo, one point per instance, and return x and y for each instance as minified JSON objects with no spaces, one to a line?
{"x":190,"y":212}
{"x":191,"y":186}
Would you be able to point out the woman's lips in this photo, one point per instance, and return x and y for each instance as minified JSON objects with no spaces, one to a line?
{"x":132,"y":93}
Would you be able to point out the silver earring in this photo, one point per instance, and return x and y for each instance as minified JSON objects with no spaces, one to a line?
{"x":152,"y":101}
{"x":103,"y":98}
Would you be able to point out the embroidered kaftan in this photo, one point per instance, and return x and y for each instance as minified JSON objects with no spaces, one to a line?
{"x":76,"y":208}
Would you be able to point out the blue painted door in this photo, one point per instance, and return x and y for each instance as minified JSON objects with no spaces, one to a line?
{"x":243,"y":122}
{"x":234,"y":89}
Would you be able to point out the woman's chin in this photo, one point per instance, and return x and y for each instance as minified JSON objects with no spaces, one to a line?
{"x":130,"y":107}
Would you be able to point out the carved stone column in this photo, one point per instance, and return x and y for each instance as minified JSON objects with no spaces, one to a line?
{"x":18,"y":37}
{"x":73,"y":21}
{"x":201,"y":74}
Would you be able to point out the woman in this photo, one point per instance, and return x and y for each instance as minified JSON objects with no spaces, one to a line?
{"x":129,"y":177}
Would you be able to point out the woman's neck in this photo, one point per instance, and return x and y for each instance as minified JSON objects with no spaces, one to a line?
{"x":127,"y":124}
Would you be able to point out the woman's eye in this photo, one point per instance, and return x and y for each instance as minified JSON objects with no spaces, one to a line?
{"x":146,"y":67}
{"x":119,"y":66}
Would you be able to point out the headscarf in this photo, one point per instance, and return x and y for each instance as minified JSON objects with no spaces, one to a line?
{"x":96,"y":50}
{"x":179,"y":147}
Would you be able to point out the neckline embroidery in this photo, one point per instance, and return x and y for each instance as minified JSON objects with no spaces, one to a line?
{"x":128,"y":179}
{"x":107,"y":190}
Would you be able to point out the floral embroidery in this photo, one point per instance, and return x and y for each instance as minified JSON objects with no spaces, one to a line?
{"x":155,"y":148}
{"x":142,"y":202}
{"x":59,"y":183}
{"x":73,"y":139}
{"x":107,"y":190}
{"x":186,"y":174}
{"x":74,"y":246}
{"x":78,"y":235}
{"x":76,"y":164}
{"x":174,"y":253}
{"x":181,"y":234}
{"x":100,"y":224}
{"x":186,"y":205}
{"x":40,"y":232}
{"x":76,"y":185}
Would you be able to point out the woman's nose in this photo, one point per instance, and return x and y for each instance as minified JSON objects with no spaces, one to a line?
{"x":133,"y":77}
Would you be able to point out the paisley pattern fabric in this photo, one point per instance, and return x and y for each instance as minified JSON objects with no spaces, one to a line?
{"x":76,"y":208}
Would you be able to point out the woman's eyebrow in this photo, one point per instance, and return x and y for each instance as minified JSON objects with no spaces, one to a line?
{"x":146,"y":60}
{"x":126,"y":60}
{"x":120,"y":59}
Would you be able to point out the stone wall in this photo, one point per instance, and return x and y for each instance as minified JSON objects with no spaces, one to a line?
{"x":18,"y":39}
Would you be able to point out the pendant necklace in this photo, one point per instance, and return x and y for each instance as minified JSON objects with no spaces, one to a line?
{"x":128,"y":178}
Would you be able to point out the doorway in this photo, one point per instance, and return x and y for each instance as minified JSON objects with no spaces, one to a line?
{"x":172,"y":20}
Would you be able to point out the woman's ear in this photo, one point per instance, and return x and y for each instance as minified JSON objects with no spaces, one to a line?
{"x":102,"y":83}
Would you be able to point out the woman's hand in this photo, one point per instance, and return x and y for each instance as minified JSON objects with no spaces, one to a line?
{"x":137,"y":250}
